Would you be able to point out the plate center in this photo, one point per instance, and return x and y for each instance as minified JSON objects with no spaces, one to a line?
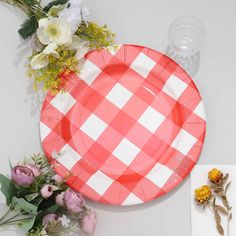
{"x":118,"y":131}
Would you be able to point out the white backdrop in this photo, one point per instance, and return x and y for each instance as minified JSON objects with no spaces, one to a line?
{"x":145,"y":23}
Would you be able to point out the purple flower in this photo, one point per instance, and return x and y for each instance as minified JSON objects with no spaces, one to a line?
{"x":60,"y":199}
{"x":88,"y":222}
{"x":22,"y":175}
{"x":73,"y":201}
{"x":49,"y":218}
{"x":47,"y":190}
{"x":35,"y":170}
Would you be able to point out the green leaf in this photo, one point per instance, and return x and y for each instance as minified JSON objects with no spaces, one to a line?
{"x":36,"y":201}
{"x":28,"y":27}
{"x":53,"y":3}
{"x":26,"y":225}
{"x":51,"y":209}
{"x":7,"y":188}
{"x":22,"y":204}
{"x":10,"y":163}
{"x":31,"y":196}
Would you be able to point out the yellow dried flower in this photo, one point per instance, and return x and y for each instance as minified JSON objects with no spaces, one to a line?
{"x":215,"y":175}
{"x":203,"y":194}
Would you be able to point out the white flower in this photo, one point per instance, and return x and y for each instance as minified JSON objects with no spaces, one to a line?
{"x":65,"y":221}
{"x":77,"y":43}
{"x":75,"y":3}
{"x":84,"y":10}
{"x":75,"y":13}
{"x":81,"y":46}
{"x":85,"y":14}
{"x":54,"y":10}
{"x":72,"y":15}
{"x":51,"y":50}
{"x":34,"y":44}
{"x":54,"y":30}
{"x":41,"y":60}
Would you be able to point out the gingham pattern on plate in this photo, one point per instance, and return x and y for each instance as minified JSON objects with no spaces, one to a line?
{"x":129,"y":127}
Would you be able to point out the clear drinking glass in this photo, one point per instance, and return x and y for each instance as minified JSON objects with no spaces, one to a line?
{"x":186,"y":36}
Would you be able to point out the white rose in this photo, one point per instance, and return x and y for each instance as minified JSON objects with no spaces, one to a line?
{"x":54,"y":30}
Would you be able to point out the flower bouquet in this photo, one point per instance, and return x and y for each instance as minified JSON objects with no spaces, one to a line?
{"x":41,"y":203}
{"x":59,"y":34}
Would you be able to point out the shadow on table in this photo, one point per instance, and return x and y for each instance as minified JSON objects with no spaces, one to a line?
{"x":34,"y":98}
{"x":106,"y":207}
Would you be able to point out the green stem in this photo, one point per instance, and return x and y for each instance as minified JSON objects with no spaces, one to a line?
{"x":15,"y":5}
{"x":11,"y":218}
{"x":37,"y":9}
{"x":28,"y":9}
{"x":5,"y":214}
{"x":15,"y":221}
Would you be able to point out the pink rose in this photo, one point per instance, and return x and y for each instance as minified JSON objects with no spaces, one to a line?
{"x":73,"y":201}
{"x":47,"y":190}
{"x":49,"y":218}
{"x":58,"y":179}
{"x":22,"y":175}
{"x":35,"y":170}
{"x":60,"y":199}
{"x":88,"y":222}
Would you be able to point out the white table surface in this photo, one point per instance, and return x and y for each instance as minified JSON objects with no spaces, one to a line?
{"x":145,"y":23}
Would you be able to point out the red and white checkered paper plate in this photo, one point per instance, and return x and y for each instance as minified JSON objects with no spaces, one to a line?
{"x":128,"y":129}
